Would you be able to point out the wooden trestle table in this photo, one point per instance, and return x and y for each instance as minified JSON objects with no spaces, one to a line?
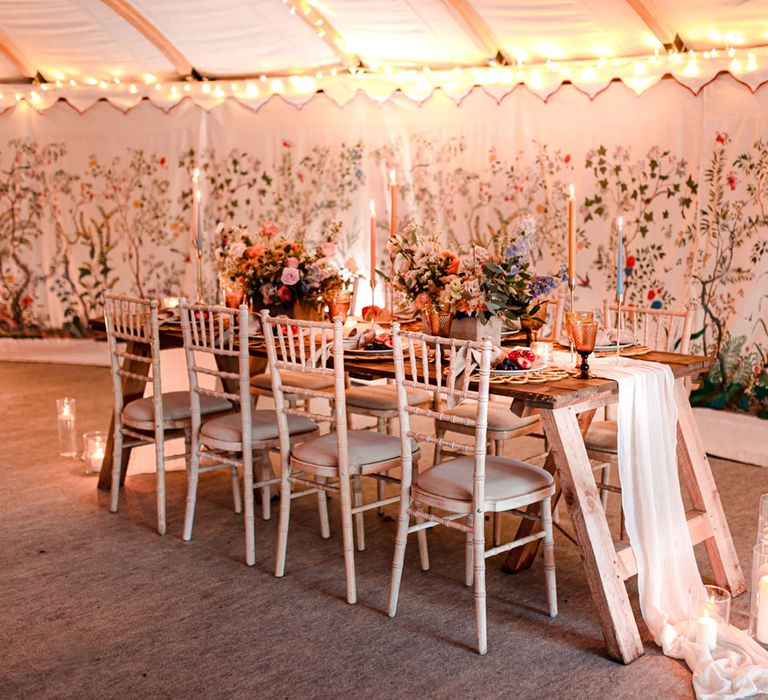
{"x":567,"y":407}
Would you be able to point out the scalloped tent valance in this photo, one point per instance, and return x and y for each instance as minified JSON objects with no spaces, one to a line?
{"x":166,"y":51}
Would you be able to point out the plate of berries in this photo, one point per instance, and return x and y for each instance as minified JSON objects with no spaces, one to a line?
{"x":519,"y":360}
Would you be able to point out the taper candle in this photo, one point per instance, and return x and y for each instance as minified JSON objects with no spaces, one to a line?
{"x":199,"y":238}
{"x":571,"y":235}
{"x":373,"y":243}
{"x":392,"y":203}
{"x":620,"y":271}
{"x":195,"y":209}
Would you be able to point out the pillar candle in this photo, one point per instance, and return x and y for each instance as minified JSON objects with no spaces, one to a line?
{"x":762,"y":611}
{"x":706,"y":631}
{"x":373,"y":243}
{"x":620,"y":271}
{"x":571,"y":235}
{"x":393,"y":203}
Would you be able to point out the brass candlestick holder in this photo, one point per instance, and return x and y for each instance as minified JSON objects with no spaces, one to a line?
{"x":199,"y":296}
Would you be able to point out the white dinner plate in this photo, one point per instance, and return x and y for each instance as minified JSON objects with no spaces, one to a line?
{"x":370,"y":353}
{"x":612,"y":347}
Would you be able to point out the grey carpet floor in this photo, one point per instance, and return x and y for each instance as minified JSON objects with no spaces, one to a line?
{"x":94,"y":604}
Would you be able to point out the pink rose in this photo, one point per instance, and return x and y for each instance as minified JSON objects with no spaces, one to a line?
{"x":283,"y":293}
{"x":421,"y":301}
{"x":268,"y":229}
{"x":328,"y":249}
{"x":257,"y":250}
{"x":292,"y":262}
{"x":290,"y":276}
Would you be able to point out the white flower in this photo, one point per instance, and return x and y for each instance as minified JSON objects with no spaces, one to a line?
{"x":528,"y":225}
{"x":236,"y":250}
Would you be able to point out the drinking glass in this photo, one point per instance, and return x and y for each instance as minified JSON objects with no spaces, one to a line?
{"x":584,"y":337}
{"x":234,"y":292}
{"x":339,"y":302}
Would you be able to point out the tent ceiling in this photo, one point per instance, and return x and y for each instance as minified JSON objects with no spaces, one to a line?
{"x":587,"y":42}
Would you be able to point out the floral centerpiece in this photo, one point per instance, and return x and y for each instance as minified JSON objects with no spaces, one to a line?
{"x":277,"y":272}
{"x":511,"y":288}
{"x":481,"y":283}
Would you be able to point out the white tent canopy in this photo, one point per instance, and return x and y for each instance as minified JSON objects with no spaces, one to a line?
{"x":84,"y":50}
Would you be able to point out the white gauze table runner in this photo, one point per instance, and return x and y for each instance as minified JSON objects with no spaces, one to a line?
{"x":658,"y":531}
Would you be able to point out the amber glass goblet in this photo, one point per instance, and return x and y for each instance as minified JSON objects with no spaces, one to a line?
{"x":584,"y":337}
{"x":572,"y":316}
{"x":339,"y":301}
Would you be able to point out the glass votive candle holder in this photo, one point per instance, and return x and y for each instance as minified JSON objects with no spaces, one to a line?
{"x":543,"y":351}
{"x":94,"y":447}
{"x":709,"y":614}
{"x":762,"y":522}
{"x":65,"y":409}
{"x":170,"y":303}
{"x":233,"y":291}
{"x":758,"y":594}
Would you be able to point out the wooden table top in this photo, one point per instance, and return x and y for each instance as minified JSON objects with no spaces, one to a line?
{"x":554,"y":394}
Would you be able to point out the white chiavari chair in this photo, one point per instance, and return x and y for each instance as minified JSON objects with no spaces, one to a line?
{"x":332,"y":463}
{"x":467,"y":487}
{"x":147,"y":420}
{"x":238,"y":440}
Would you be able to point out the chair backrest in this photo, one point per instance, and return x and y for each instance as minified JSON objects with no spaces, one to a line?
{"x":659,"y":329}
{"x":305,"y":346}
{"x":554,"y":321}
{"x":222,"y":333}
{"x":134,"y":321}
{"x":456,"y":369}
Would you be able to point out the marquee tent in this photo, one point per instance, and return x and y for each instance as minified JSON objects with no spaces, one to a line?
{"x":296,"y":111}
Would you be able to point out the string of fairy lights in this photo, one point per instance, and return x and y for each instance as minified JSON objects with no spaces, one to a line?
{"x":386,"y":77}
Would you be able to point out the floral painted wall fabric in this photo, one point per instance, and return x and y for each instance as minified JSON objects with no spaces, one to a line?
{"x":103,"y":200}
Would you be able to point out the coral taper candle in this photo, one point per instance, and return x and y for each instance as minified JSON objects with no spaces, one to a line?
{"x":392,"y":203}
{"x":571,"y":236}
{"x":620,"y":271}
{"x":373,"y":243}
{"x":196,"y":238}
{"x":196,"y":219}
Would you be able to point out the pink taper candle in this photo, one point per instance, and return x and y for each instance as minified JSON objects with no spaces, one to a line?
{"x":373,"y":243}
{"x":571,"y":235}
{"x":393,"y":203}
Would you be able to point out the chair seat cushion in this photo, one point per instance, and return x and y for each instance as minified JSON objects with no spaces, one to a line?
{"x":263,"y":427}
{"x":176,"y":406}
{"x":602,"y":436}
{"x":505,"y":479}
{"x":302,"y":380}
{"x":365,"y":447}
{"x":383,"y":397}
{"x":499,"y":417}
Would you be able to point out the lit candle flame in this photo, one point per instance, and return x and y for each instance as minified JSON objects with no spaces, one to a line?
{"x":195,"y":174}
{"x":571,"y":191}
{"x":373,"y":208}
{"x":392,"y":178}
{"x":621,"y":221}
{"x":197,"y":195}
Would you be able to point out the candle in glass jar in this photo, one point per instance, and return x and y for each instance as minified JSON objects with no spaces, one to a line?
{"x":762,"y":611}
{"x":706,"y":631}
{"x":97,"y":456}
{"x":571,"y":234}
{"x":392,"y":203}
{"x":542,"y":350}
{"x":373,"y":243}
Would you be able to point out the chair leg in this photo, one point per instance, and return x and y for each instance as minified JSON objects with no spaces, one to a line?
{"x":266,"y":490}
{"x":499,"y":451}
{"x":283,"y":520}
{"x":549,"y":556}
{"x":250,"y":524}
{"x":236,"y":498}
{"x":187,"y":447}
{"x":322,"y":509}
{"x":357,"y":494}
{"x":440,"y":435}
{"x":192,"y":479}
{"x":345,"y":491}
{"x":401,"y":539}
{"x":468,"y":555}
{"x":421,"y":535}
{"x":117,"y":458}
{"x":383,"y":426}
{"x":380,"y":495}
{"x":496,"y":529}
{"x":478,"y":542}
{"x":160,"y":477}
